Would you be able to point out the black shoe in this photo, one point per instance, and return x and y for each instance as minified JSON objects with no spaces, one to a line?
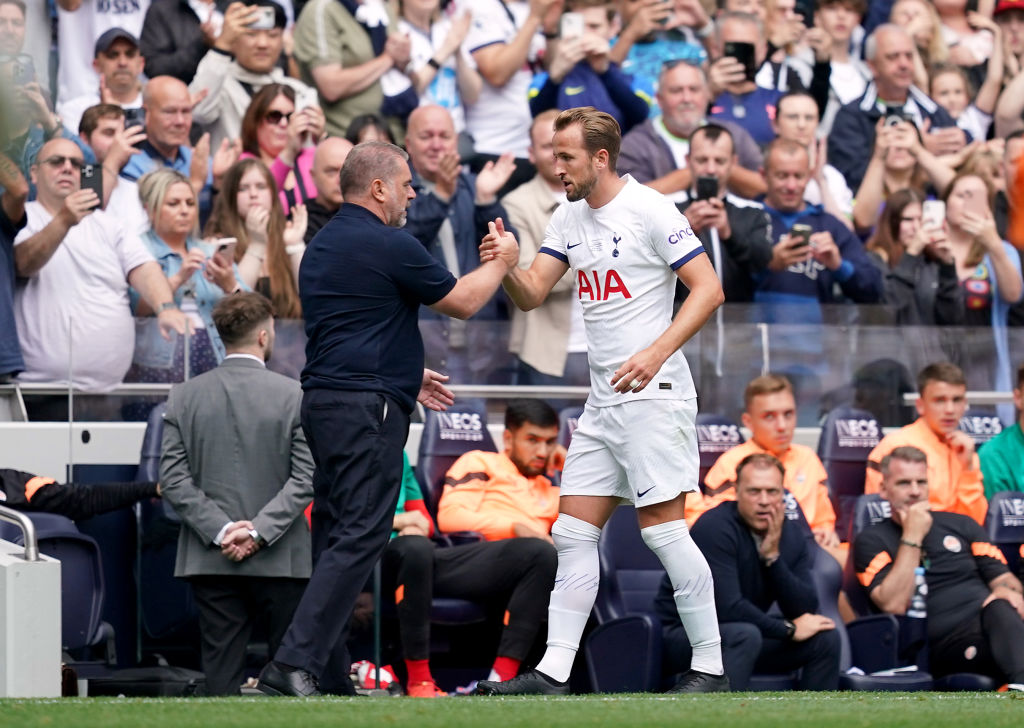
{"x":529,"y":683}
{"x":278,"y":679}
{"x":700,"y":682}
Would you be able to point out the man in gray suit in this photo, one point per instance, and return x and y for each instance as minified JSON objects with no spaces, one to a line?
{"x":236,"y":468}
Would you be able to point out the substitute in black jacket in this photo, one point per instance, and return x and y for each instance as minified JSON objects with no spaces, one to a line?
{"x":735,"y":232}
{"x":176,"y":34}
{"x":757,"y":556}
{"x":30,"y":492}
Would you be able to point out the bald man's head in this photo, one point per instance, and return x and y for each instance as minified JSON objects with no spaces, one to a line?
{"x":430,"y":137}
{"x":168,"y":107}
{"x":57,"y":172}
{"x":327,"y":162}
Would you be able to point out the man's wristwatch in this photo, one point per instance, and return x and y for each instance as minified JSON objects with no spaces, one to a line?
{"x":790,"y":629}
{"x":255,"y":535}
{"x":166,"y":306}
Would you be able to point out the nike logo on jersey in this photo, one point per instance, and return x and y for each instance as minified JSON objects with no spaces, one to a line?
{"x":642,"y":493}
{"x":590,"y":285}
{"x":573,"y":245}
{"x":574,"y":90}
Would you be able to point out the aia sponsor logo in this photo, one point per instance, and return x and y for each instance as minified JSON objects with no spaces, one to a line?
{"x":594,"y":288}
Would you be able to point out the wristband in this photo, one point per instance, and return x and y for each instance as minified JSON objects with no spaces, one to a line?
{"x":552,"y":36}
{"x":294,"y":248}
{"x":167,"y":306}
{"x":911,"y":544}
{"x":433,"y":64}
{"x":790,"y":629}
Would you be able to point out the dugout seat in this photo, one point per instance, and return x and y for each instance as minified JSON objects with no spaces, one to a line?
{"x":847,"y":436}
{"x":446,"y":437}
{"x":568,"y":421}
{"x":715,"y":434}
{"x":981,"y":423}
{"x":1004,"y":524}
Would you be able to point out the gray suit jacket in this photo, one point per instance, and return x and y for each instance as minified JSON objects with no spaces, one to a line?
{"x":233,"y":449}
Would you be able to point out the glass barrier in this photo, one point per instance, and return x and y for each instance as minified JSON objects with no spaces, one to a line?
{"x":852,"y":357}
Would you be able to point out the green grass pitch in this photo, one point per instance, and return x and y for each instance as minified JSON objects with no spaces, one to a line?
{"x":749,"y":710}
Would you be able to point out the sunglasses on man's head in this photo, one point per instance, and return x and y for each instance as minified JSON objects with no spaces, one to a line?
{"x":57,"y":161}
{"x":275,"y":116}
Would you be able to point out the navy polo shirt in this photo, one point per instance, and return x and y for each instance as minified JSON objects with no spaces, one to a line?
{"x":361,"y":284}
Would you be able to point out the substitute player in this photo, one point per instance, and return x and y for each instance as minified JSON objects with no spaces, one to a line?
{"x":626,"y":244}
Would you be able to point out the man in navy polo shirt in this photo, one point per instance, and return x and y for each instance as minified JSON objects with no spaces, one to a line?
{"x":362,"y":282}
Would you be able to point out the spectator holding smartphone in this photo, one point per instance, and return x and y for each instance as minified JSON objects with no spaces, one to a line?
{"x":914,"y":254}
{"x":284,"y":138}
{"x":199,"y":276}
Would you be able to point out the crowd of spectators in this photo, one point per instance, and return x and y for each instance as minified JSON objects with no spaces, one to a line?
{"x":811,"y":146}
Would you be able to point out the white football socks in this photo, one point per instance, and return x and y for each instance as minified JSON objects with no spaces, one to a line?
{"x":573,"y":596}
{"x":693,"y":589}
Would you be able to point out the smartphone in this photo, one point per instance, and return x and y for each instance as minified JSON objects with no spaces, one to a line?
{"x":571,"y":25}
{"x":92,"y":179}
{"x":134,"y":117}
{"x":744,"y":53}
{"x":707,"y":187}
{"x":265,"y":18}
{"x":23,"y":72}
{"x":933,"y":213}
{"x":225,"y":248}
{"x":897,"y":115}
{"x":669,"y":5}
{"x":805,"y":9}
{"x":802,"y":234}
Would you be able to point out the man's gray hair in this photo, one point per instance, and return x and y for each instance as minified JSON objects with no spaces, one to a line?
{"x":738,"y":16}
{"x":369,"y":161}
{"x":871,"y":44}
{"x":906,"y":453}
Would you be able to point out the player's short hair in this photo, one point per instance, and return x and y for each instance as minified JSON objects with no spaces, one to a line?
{"x":759,"y":461}
{"x":942,"y":371}
{"x":600,"y":131}
{"x":712,"y":132}
{"x":369,"y":161}
{"x":906,"y":453}
{"x":239,"y":316}
{"x":91,"y":116}
{"x":533,"y":411}
{"x":765,"y":384}
{"x":785,"y":147}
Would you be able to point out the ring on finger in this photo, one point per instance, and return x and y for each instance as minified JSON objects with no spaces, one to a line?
{"x":635,"y":383}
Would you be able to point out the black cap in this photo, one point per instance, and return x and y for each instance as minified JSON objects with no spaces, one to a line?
{"x":106,"y":40}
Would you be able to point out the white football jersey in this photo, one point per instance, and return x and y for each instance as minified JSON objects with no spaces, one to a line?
{"x":624,"y":256}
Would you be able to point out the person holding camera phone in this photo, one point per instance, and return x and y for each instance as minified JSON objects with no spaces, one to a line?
{"x":242,"y":60}
{"x":118,"y":63}
{"x":733,"y":231}
{"x":807,"y":261}
{"x":889,"y":53}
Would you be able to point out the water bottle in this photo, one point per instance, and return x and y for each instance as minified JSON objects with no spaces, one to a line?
{"x":918,"y":609}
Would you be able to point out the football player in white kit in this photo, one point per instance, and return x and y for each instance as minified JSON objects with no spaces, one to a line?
{"x":627,"y":244}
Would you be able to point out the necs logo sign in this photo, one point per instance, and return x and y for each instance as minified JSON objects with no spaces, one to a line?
{"x":461,"y":426}
{"x":717,"y":438}
{"x":857,"y":433}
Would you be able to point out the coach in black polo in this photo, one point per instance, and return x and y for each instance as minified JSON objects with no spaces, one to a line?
{"x":362,"y":282}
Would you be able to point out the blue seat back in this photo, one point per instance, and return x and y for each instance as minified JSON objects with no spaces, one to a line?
{"x":848,"y":435}
{"x":446,"y":437}
{"x":715,"y":434}
{"x":81,"y":577}
{"x":568,"y":421}
{"x":868,"y":510}
{"x":149,"y":458}
{"x":1004,"y":524}
{"x":630,"y":572}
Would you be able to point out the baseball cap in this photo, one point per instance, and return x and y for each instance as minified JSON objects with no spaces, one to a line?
{"x":106,"y":40}
{"x":1004,"y":5}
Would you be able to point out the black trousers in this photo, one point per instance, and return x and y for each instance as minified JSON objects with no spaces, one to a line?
{"x":745,"y":650}
{"x":517,"y":572}
{"x":992,"y":643}
{"x":229,"y":606}
{"x":356,"y":439}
